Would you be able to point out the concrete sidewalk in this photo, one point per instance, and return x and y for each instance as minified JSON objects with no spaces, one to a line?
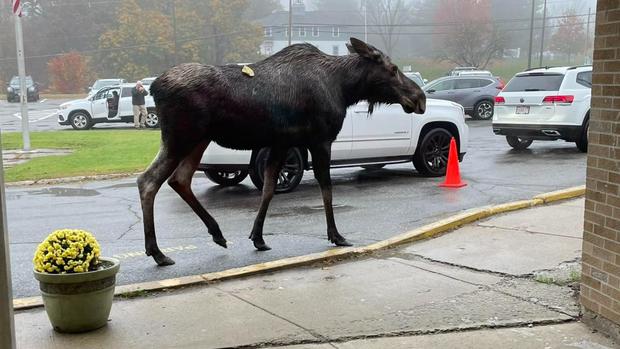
{"x":508,"y":281}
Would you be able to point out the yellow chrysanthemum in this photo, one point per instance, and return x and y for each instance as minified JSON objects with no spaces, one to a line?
{"x":67,"y":251}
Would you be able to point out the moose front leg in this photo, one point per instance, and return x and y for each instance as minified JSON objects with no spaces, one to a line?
{"x":321,"y":157}
{"x":270,"y":179}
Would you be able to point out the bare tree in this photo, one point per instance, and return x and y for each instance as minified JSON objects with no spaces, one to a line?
{"x":385,"y":18}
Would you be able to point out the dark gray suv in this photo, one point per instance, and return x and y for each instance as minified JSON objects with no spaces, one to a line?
{"x":475,"y":93}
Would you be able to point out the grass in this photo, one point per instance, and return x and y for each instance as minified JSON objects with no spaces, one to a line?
{"x":94,"y":152}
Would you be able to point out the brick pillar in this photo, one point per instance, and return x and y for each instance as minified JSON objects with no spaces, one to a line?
{"x":600,"y":280}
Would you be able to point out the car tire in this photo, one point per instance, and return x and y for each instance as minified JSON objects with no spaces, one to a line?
{"x":483,"y":110}
{"x":373,"y":167}
{"x":290,"y":175}
{"x":582,"y":142}
{"x":518,"y":143}
{"x":226,"y":178}
{"x":81,"y":121}
{"x":431,"y":155}
{"x":151,"y":120}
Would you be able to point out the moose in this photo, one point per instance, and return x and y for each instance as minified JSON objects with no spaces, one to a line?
{"x":295,"y":98}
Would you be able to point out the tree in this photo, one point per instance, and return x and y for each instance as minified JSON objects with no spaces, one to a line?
{"x":385,"y":17}
{"x":471,"y":39}
{"x":570,"y":34}
{"x":135,"y":49}
{"x":69,"y":73}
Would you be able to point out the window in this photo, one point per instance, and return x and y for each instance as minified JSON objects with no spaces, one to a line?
{"x":534,"y":82}
{"x":335,"y":31}
{"x":585,"y":79}
{"x":268,"y":31}
{"x":126,"y":92}
{"x":442,"y":85}
{"x":101,"y":94}
{"x":286,"y":32}
{"x":315,"y":31}
{"x":302,"y":31}
{"x":464,"y":84}
{"x":335,"y":50}
{"x":483,"y":82}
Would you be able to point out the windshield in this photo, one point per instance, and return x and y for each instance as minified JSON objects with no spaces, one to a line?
{"x":103,"y":83}
{"x":415,"y":79}
{"x":15,"y":81}
{"x":535,"y":82}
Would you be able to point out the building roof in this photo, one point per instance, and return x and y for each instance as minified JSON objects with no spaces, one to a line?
{"x":280,"y":18}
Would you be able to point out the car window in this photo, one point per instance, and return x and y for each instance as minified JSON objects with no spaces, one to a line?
{"x":101,"y":94}
{"x":535,"y":82}
{"x":465,"y":83}
{"x":126,"y":92}
{"x":585,"y":79}
{"x":483,"y":82}
{"x":416,"y":79}
{"x":442,"y":85}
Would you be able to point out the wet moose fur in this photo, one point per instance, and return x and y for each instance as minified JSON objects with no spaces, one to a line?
{"x":297,"y":98}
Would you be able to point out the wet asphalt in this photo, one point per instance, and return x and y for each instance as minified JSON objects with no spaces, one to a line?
{"x":370,"y":205}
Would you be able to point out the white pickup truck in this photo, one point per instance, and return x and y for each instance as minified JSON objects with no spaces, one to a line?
{"x":83,"y":113}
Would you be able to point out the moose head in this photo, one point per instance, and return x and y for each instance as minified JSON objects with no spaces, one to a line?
{"x":385,"y":82}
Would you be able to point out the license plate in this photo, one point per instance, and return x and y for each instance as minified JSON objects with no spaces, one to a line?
{"x":523,"y":109}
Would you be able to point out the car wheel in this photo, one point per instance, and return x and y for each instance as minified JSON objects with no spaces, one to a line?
{"x":518,"y":143}
{"x":151,"y":121}
{"x":226,"y":178}
{"x":431,"y":156}
{"x":373,"y":167}
{"x":81,"y":121}
{"x":290,"y":175}
{"x":582,"y":142}
{"x":483,"y":110}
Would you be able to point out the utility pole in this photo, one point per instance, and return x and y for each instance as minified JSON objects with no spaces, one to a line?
{"x":7,"y":324}
{"x":542,"y":35}
{"x":174,"y":32}
{"x":21,"y":69}
{"x":529,"y":51}
{"x":586,"y":56}
{"x":290,"y":21}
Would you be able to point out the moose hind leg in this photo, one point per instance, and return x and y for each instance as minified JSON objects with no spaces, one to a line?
{"x":181,"y":182}
{"x":321,"y":156}
{"x":272,"y":169}
{"x":149,"y":183}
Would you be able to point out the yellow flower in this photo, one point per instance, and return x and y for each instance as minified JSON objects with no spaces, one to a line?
{"x":67,"y":250}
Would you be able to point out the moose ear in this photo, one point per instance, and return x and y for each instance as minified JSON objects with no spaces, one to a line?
{"x":364,"y":50}
{"x":350,"y":48}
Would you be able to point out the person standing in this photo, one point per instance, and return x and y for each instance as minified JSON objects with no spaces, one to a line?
{"x":139,"y":108}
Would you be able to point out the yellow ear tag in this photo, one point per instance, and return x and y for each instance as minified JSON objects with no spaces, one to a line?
{"x":247,"y":71}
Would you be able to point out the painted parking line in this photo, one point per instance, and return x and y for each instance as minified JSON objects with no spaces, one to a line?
{"x":38,"y":115}
{"x":43,"y":100}
{"x":133,"y":254}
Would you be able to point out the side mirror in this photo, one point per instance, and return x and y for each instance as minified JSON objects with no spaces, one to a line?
{"x":430,"y":91}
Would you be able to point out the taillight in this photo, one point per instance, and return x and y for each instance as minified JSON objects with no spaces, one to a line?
{"x":559,"y":99}
{"x":500,"y":100}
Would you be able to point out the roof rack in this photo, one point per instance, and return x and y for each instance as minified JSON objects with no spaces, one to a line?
{"x":545,"y":67}
{"x":579,"y":66}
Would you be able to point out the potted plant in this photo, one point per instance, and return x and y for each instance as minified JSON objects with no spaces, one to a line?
{"x":77,"y":284}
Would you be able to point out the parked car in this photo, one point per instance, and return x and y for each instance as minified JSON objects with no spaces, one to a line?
{"x":148,"y":81}
{"x":475,"y":93}
{"x":13,"y":90}
{"x":83,"y":113}
{"x":416,"y":77}
{"x":545,"y":104}
{"x":100,"y":83}
{"x":472,"y":73}
{"x":456,"y":70}
{"x":387,"y":136}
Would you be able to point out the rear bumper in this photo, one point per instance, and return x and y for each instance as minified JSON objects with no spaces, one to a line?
{"x":539,"y":132}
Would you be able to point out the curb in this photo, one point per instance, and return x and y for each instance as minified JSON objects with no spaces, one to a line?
{"x":424,"y":232}
{"x":71,"y":179}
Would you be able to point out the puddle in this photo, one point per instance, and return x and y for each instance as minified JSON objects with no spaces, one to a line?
{"x":65,"y":192}
{"x":304,"y":210}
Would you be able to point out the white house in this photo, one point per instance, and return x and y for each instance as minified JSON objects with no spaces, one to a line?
{"x":326,"y":30}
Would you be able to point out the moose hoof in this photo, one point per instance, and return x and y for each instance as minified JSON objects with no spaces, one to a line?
{"x":162,"y":260}
{"x":340,"y":241}
{"x":260,"y":245}
{"x":220,"y":241}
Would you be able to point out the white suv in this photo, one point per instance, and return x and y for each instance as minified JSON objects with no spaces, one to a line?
{"x":545,"y":104}
{"x":387,"y":136}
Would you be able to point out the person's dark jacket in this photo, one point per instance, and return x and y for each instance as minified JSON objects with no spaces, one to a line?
{"x":137,"y":97}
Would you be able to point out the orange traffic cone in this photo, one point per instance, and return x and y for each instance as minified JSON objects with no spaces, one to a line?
{"x":453,"y":174}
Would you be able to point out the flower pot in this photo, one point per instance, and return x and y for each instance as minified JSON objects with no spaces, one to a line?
{"x":79,"y":302}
